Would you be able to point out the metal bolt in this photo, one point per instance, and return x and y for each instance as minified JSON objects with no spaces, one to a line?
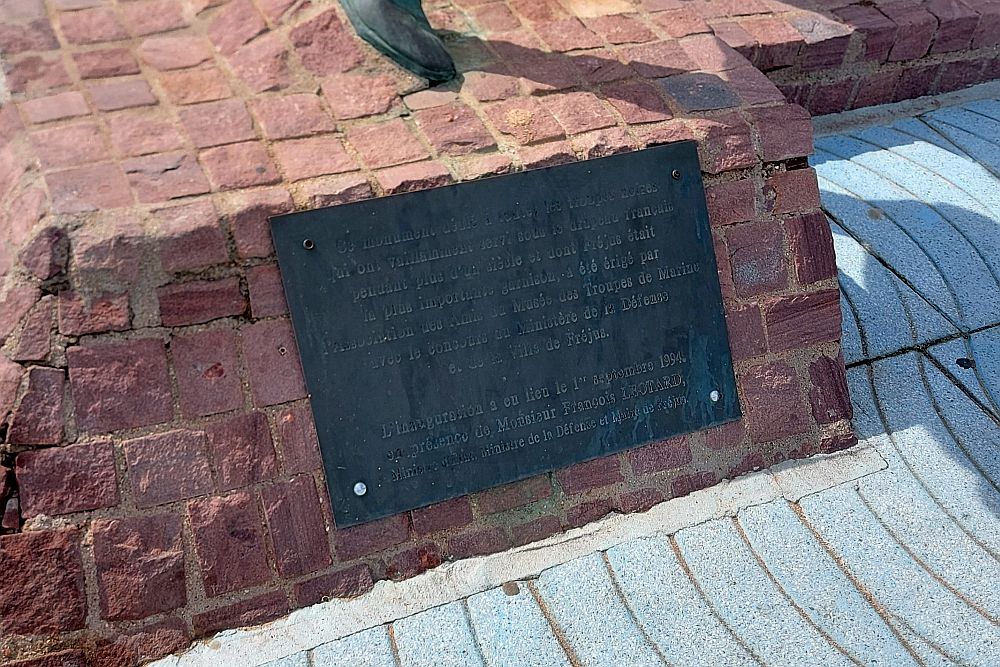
{"x":676,"y":173}
{"x":308,"y":244}
{"x":715,"y":396}
{"x":360,"y":489}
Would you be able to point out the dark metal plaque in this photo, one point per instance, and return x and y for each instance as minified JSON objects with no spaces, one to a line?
{"x":467,"y":336}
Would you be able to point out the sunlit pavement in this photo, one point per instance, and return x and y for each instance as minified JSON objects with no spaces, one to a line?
{"x":899,"y":565}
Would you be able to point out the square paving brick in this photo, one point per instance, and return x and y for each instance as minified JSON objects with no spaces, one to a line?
{"x":168,"y":466}
{"x":700,"y":91}
{"x":454,"y":129}
{"x":64,"y":480}
{"x":290,"y":116}
{"x":50,"y":566}
{"x":120,"y":385}
{"x":295,"y":522}
{"x":135,"y":133}
{"x":386,"y":144}
{"x":229,"y":544}
{"x":189,"y":237}
{"x":272,"y":361}
{"x":216,"y":123}
{"x":239,"y":166}
{"x":242,"y":450}
{"x":525,"y":119}
{"x":313,"y":156}
{"x":207,"y":369}
{"x":140,"y":566}
{"x":578,"y":112}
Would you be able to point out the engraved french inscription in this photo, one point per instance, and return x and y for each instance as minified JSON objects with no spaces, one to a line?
{"x":469,"y":336}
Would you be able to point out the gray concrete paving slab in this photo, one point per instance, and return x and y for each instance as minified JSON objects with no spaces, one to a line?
{"x":587,"y":610}
{"x":748,"y":601}
{"x":512,"y":629}
{"x":671,"y":610}
{"x":823,"y":592}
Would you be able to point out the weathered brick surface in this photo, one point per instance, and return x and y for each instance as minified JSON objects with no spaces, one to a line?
{"x":535,"y":530}
{"x":81,"y":314}
{"x":227,"y":531}
{"x":114,"y":94}
{"x":756,"y":256}
{"x":453,"y":513}
{"x":216,"y":123}
{"x":590,"y":475}
{"x":140,"y":566}
{"x":34,"y":343}
{"x":371,"y":537}
{"x":272,"y":360}
{"x":746,"y":332}
{"x":46,"y":254}
{"x":730,"y":202}
{"x":828,"y":395}
{"x":254,"y":611}
{"x":38,"y":420}
{"x":801,"y":320}
{"x":200,"y":301}
{"x":206,"y":366}
{"x":315,"y":156}
{"x":477,"y":543}
{"x":659,"y":456}
{"x":346,"y":583}
{"x":413,"y":561}
{"x":168,"y":466}
{"x":299,"y":442}
{"x":120,"y":385}
{"x":165,"y":176}
{"x":513,"y":495}
{"x":772,"y":398}
{"x":242,"y":450}
{"x":294,"y":521}
{"x":812,"y":246}
{"x":236,"y":166}
{"x":247,"y":220}
{"x":190,"y":237}
{"x":267,"y":294}
{"x":49,"y":565}
{"x":64,"y":480}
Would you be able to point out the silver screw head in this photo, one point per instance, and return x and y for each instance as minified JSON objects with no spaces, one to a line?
{"x":715,"y":396}
{"x":360,"y":489}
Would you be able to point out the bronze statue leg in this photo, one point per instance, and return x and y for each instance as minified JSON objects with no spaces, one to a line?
{"x":400,"y":30}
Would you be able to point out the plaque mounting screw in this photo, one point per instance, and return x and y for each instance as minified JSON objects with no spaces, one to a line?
{"x":308,"y":244}
{"x":676,"y":173}
{"x":715,"y":396}
{"x":360,"y":489}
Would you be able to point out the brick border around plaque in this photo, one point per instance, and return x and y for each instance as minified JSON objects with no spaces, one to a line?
{"x":154,"y":419}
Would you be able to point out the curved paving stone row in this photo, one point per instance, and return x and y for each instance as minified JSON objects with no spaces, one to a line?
{"x":900,"y":567}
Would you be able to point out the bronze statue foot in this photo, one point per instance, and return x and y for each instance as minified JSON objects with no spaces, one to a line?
{"x":400,"y":30}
